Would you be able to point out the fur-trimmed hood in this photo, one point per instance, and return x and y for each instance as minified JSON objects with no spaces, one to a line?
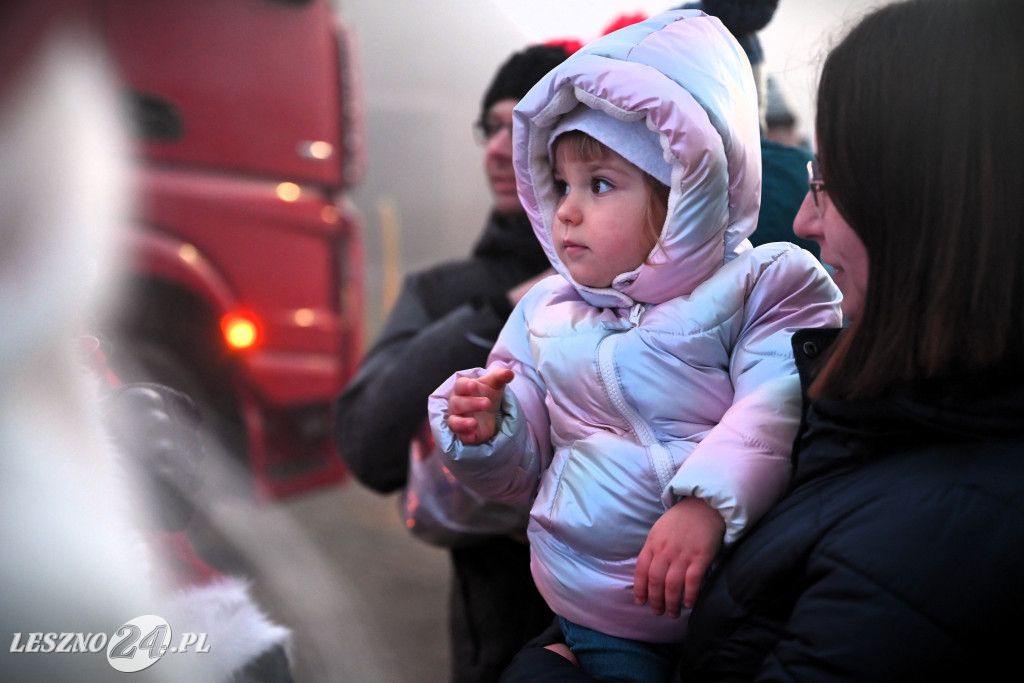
{"x":705,"y":112}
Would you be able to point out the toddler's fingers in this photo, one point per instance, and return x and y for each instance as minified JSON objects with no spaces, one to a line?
{"x":656,"y":586}
{"x":498,"y":378}
{"x":462,"y":426}
{"x":467,"y":405}
{"x":694,"y":575}
{"x":675,"y":581}
{"x":643,"y":564}
{"x":465,"y":386}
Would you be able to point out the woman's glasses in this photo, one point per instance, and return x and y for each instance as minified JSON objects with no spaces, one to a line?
{"x":816,"y":184}
{"x":487,"y":128}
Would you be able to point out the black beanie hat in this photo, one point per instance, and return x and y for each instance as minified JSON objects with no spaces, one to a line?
{"x":743,"y":18}
{"x":521,"y":72}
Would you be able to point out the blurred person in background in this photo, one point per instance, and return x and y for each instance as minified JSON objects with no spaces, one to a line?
{"x":779,"y":119}
{"x":783,"y":165}
{"x":784,"y":174}
{"x":446,"y":318}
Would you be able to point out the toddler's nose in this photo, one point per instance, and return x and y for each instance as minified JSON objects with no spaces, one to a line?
{"x":568,"y":210}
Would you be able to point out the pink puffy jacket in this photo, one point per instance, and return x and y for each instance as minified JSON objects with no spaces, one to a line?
{"x":678,"y":379}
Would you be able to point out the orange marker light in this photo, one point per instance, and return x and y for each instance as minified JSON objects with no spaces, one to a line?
{"x":239,"y":330}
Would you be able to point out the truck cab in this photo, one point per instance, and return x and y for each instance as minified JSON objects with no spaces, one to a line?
{"x":244,"y":269}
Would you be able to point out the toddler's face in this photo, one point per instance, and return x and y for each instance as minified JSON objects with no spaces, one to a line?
{"x":600,"y":227}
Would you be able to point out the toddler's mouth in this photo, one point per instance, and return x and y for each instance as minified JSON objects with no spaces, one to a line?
{"x":572,"y":252}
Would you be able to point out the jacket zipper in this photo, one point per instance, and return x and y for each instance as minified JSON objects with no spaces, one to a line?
{"x":634,"y":314}
{"x":660,"y":459}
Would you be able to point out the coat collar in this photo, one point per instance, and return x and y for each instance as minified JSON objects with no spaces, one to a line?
{"x":838,"y":435}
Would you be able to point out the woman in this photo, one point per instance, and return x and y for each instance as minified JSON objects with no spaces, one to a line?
{"x":898,"y":553}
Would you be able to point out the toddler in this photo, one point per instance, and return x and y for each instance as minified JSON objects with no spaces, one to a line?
{"x":644,"y":400}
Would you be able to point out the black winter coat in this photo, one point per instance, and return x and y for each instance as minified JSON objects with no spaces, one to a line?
{"x":898,"y":555}
{"x":446,"y":319}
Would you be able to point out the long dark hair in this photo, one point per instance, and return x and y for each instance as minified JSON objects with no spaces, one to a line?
{"x":921,"y":145}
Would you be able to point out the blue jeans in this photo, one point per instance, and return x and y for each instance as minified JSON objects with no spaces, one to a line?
{"x":619,"y":660}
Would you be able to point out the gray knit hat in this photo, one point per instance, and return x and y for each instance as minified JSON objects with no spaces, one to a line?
{"x":633,"y":140}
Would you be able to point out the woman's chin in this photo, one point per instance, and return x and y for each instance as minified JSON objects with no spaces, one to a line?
{"x":851,"y":308}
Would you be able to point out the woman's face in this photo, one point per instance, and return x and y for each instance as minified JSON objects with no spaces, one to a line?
{"x":841,"y":248}
{"x":498,"y":157}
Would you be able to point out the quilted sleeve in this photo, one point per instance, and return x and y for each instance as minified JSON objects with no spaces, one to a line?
{"x":378,"y":413}
{"x":508,"y":467}
{"x":743,"y":465}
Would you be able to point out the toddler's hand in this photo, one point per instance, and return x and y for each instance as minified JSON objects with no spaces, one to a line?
{"x":473,"y":406}
{"x":679,"y":549}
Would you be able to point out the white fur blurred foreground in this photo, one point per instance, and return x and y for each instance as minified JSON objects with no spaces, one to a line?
{"x":74,"y":551}
{"x":352,"y":596}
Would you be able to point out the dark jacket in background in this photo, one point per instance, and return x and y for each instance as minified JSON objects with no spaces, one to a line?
{"x":783,"y":188}
{"x":898,"y":555}
{"x":446,"y":319}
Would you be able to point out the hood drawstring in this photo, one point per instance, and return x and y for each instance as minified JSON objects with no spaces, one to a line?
{"x":635,"y":312}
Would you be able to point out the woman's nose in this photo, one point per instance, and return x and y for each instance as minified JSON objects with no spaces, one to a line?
{"x":807,"y":224}
{"x":500,"y":144}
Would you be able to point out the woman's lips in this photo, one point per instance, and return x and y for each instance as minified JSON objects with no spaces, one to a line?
{"x":829,"y":262}
{"x":503,"y":184}
{"x":838,"y":276}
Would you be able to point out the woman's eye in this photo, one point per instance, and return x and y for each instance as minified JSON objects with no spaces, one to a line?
{"x":599,"y":185}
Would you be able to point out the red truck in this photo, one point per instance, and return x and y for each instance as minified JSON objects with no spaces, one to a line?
{"x":245,"y":265}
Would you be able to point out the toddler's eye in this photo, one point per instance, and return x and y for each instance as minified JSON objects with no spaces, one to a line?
{"x":599,"y":185}
{"x":561,"y":187}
